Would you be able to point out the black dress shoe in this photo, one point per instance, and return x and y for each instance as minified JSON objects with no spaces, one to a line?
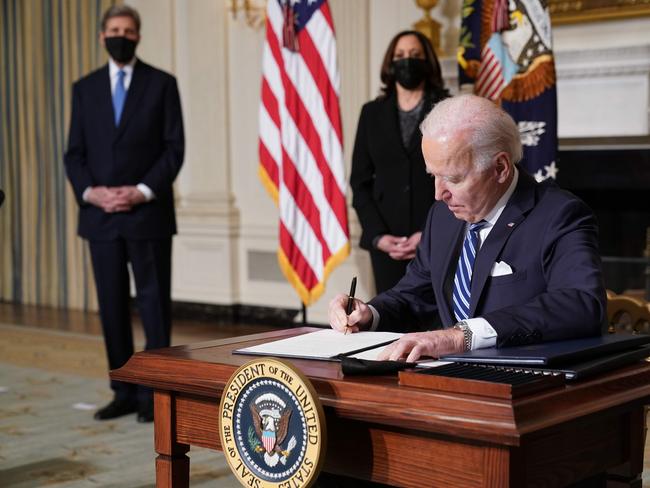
{"x":145,"y":414}
{"x":115,"y":409}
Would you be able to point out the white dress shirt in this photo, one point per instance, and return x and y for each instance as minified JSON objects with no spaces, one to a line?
{"x":483,"y":334}
{"x":114,"y":69}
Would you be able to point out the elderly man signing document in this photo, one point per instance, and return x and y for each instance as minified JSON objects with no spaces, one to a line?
{"x":503,"y":260}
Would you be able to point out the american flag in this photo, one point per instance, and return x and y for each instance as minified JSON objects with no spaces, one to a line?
{"x":301,"y":142}
{"x":505,"y":51}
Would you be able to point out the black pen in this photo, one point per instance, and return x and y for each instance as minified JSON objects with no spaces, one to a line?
{"x":348,"y":310}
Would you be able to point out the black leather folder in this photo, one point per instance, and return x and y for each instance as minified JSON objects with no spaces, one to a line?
{"x":553,"y":353}
{"x":570,"y":370}
{"x":574,"y":359}
{"x":599,"y":364}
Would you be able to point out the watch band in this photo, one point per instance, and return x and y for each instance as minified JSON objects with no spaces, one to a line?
{"x":467,"y":334}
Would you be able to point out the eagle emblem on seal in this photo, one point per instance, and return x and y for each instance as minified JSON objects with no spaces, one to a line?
{"x":271,"y":417}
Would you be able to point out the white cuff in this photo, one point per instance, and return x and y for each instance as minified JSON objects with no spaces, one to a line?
{"x":146,"y":191}
{"x":375,"y":318}
{"x":84,"y":195}
{"x":483,"y":335}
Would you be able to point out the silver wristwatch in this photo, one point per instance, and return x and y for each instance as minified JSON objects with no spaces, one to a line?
{"x":467,"y":334}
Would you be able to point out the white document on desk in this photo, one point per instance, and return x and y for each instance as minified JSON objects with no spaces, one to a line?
{"x":372,"y":354}
{"x":326,"y":344}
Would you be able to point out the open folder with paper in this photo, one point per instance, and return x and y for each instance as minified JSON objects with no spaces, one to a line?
{"x":326,"y":344}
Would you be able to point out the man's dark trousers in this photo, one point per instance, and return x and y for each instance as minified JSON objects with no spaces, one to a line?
{"x":151,"y":265}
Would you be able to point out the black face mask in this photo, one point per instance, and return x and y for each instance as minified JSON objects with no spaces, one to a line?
{"x":409,"y":72}
{"x":121,"y":49}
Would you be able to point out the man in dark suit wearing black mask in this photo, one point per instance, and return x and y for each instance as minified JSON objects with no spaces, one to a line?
{"x":125,"y":149}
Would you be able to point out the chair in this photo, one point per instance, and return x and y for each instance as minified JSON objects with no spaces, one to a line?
{"x":627,"y":314}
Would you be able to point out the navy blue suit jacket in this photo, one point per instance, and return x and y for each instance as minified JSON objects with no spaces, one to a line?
{"x":147,"y":147}
{"x":556,"y":290}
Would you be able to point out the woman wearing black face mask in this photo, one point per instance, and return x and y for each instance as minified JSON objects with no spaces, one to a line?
{"x":391,"y":191}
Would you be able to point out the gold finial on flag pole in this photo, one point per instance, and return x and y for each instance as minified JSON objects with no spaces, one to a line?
{"x":253,"y":10}
{"x":427,"y":26}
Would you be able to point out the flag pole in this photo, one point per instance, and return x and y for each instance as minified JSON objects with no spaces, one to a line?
{"x":304,"y":314}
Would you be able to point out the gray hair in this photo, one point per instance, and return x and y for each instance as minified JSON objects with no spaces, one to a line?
{"x":487,"y":127}
{"x":121,"y":11}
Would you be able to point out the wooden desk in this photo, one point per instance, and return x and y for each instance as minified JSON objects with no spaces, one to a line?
{"x":407,"y":436}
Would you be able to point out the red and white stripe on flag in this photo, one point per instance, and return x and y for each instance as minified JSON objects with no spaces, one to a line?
{"x":301,"y":146}
{"x":490,"y":82}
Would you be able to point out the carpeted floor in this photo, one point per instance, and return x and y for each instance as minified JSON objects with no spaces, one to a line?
{"x":50,"y":386}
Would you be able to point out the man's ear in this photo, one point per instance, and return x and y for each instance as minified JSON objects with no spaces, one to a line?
{"x":503,"y":167}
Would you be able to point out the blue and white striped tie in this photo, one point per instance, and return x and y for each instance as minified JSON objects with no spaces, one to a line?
{"x":463,"y":277}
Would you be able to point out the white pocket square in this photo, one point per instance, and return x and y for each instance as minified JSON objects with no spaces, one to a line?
{"x":501,"y":268}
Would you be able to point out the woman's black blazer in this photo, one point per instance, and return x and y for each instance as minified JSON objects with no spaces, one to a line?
{"x":391,"y":191}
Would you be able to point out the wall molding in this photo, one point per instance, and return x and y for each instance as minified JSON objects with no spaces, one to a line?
{"x":205,"y":261}
{"x":618,"y":61}
{"x":213,"y":216}
{"x":603,"y":92}
{"x":579,"y":63}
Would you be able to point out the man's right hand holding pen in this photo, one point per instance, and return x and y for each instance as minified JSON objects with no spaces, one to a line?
{"x":359,"y":319}
{"x":349,"y":314}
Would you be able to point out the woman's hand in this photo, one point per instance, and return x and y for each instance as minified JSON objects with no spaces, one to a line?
{"x":399,"y":248}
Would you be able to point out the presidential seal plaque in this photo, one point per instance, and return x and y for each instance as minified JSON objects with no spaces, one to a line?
{"x":272,"y":426}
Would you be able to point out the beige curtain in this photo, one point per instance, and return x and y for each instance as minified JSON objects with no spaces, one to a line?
{"x":44,"y":46}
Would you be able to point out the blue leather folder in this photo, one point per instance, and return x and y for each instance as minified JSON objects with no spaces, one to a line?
{"x":575,"y":358}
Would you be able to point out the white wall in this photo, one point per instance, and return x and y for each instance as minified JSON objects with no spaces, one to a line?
{"x":225,"y":250}
{"x":603,"y":71}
